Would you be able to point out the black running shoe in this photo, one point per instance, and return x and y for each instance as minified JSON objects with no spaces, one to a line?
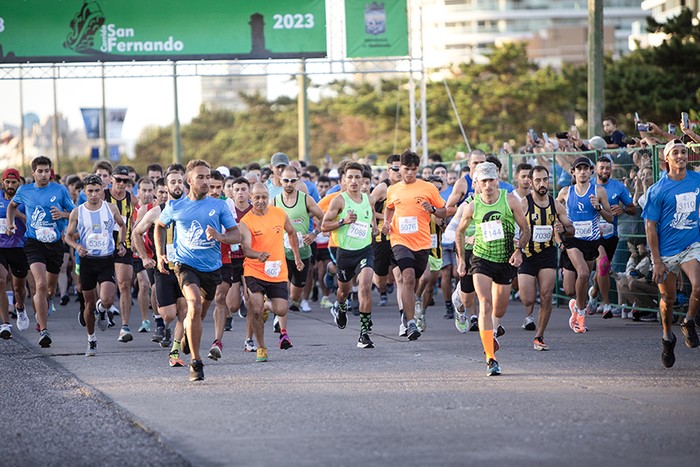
{"x":412,"y":332}
{"x":449,"y":313}
{"x":691,"y":335}
{"x":492,"y":368}
{"x":158,"y":335}
{"x":64,"y":300}
{"x":364,"y":342}
{"x":197,"y":371}
{"x":81,"y":319}
{"x":667,"y":356}
{"x":473,"y":323}
{"x":229,"y":324}
{"x":184,"y":345}
{"x":167,"y":339}
{"x":500,"y":331}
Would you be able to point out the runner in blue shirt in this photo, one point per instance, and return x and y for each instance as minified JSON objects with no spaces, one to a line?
{"x":198,"y":222}
{"x":47,"y":205}
{"x":620,"y":202}
{"x":673,"y":234}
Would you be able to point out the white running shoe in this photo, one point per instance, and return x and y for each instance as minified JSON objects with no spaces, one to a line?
{"x":22,"y":320}
{"x":6,"y":331}
{"x":305,"y":307}
{"x":529,"y":324}
{"x":457,"y":301}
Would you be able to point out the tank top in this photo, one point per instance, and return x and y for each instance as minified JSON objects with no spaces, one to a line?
{"x":495,"y":229}
{"x":582,"y":214}
{"x":357,"y":235}
{"x":541,"y":225}
{"x":435,"y":239}
{"x":299,"y":216}
{"x":169,"y":244}
{"x":95,"y":229}
{"x":266,"y":235}
{"x":379,"y":208}
{"x":126,"y":209}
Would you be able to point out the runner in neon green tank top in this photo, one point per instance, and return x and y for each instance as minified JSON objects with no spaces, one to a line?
{"x":351,"y":215}
{"x":300,"y":208}
{"x":495,"y":213}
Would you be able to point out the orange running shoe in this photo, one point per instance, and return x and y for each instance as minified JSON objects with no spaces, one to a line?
{"x":175,"y":359}
{"x":580,"y":325}
{"x":573,"y":319}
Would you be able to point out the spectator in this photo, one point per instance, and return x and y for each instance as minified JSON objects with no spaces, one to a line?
{"x":614,"y":138}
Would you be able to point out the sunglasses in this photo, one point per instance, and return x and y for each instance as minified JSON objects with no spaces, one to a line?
{"x":290,"y":180}
{"x":395,"y":169}
{"x":121,"y":180}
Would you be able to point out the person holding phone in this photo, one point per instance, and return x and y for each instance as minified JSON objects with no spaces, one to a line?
{"x":673,"y":233}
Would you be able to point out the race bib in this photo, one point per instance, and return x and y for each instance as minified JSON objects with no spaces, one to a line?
{"x":97,"y":241}
{"x":273,"y":268}
{"x":448,"y":237}
{"x":235,"y":247}
{"x":606,"y":229}
{"x":3,"y":225}
{"x":170,"y":251}
{"x":583,"y":229}
{"x":433,"y":241}
{"x":408,"y":225}
{"x":492,"y":230}
{"x":542,"y":233}
{"x":288,"y":246}
{"x":46,"y":234}
{"x":685,"y":203}
{"x":359,"y":230}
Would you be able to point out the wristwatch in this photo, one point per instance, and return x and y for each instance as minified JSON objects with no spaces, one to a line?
{"x":434,"y":209}
{"x":341,"y":222}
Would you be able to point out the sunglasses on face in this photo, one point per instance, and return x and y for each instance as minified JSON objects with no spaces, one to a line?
{"x":290,"y":180}
{"x":395,"y":169}
{"x":121,"y":180}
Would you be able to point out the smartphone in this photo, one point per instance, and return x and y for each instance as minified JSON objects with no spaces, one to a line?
{"x":643,"y":126}
{"x":533,"y":135}
{"x":672,"y":128}
{"x":685,"y":120}
{"x":636,"y":118}
{"x":546,"y":137}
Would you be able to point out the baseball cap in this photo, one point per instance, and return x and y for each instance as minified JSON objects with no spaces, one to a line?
{"x":223,"y":170}
{"x":582,"y":160}
{"x":11,"y":174}
{"x":120,"y":170}
{"x":672,"y":144}
{"x":598,"y":143}
{"x":279,"y":158}
{"x":486,"y":171}
{"x":333,"y":173}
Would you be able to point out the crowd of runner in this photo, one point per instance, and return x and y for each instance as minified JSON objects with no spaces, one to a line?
{"x":262,"y":241}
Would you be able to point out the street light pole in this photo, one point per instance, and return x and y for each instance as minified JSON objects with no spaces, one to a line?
{"x":595,"y":68}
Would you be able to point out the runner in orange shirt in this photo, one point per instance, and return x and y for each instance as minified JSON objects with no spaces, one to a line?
{"x":265,"y":267}
{"x":409,"y":205}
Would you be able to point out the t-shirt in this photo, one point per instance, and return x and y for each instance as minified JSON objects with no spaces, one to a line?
{"x":191,"y":219}
{"x":410,"y":225}
{"x":272,"y":189}
{"x":617,"y":192}
{"x":267,"y":234}
{"x":38,"y":203}
{"x":673,"y":205}
{"x":17,"y":239}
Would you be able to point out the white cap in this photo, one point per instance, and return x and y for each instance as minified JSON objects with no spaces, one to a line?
{"x":598,"y":143}
{"x":672,"y":144}
{"x":486,"y":171}
{"x":223,"y":170}
{"x":333,"y":173}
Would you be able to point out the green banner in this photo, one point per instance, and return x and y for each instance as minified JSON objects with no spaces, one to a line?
{"x":376,"y":29}
{"x":52,"y":31}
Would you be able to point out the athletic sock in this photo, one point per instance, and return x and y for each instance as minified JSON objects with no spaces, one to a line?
{"x":159,"y":322}
{"x":487,"y":342}
{"x":449,"y":305}
{"x":343,"y":305}
{"x":92,"y":338}
{"x":365,"y":318}
{"x":176,"y":346}
{"x":496,"y":322}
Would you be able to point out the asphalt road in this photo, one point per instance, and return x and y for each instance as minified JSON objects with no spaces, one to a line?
{"x":600,"y":398}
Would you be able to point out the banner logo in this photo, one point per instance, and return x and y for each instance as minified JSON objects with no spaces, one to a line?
{"x":375,"y":18}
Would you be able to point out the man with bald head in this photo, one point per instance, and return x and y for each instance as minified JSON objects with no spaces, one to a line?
{"x":265,"y":266}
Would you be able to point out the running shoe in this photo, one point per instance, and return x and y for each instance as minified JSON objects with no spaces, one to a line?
{"x":167,"y":339}
{"x":110,"y":320}
{"x":114,"y":310}
{"x":649,"y":318}
{"x":456,"y":300}
{"x":420,"y":317}
{"x":616,"y":311}
{"x":145,"y":326}
{"x":492,"y":368}
{"x":580,"y":324}
{"x":592,"y":301}
{"x":473,"y":323}
{"x":229,"y":324}
{"x":44,"y":339}
{"x":6,"y":331}
{"x":175,"y":360}
{"x":496,"y":345}
{"x":22,"y":319}
{"x":101,"y":321}
{"x":125,"y":334}
{"x":449,"y":313}
{"x":249,"y":346}
{"x":402,"y":326}
{"x":197,"y":370}
{"x":157,"y":336}
{"x":529,"y":324}
{"x":668,"y":357}
{"x":691,"y":335}
{"x":626,"y":314}
{"x":261,"y":354}
{"x":573,"y":319}
{"x":364,"y":342}
{"x":383,"y":299}
{"x":340,"y":317}
{"x":607,"y":311}
{"x":215,"y":352}
{"x":285,"y":343}
{"x":325,"y":302}
{"x":81,"y":319}
{"x":390,"y":288}
{"x":500,"y":331}
{"x":276,"y":325}
{"x":305,"y":307}
{"x":51,"y":307}
{"x":412,"y":332}
{"x":184,"y":344}
{"x":539,"y":344}
{"x":293,"y":306}
{"x":91,"y":349}
{"x":461,"y":321}
{"x":64,"y":300}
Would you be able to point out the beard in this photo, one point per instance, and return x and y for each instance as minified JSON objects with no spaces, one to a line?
{"x":175,"y":195}
{"x":542,"y":191}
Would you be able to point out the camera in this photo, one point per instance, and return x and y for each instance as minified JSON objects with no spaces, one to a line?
{"x":562,"y":135}
{"x":643,"y":126}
